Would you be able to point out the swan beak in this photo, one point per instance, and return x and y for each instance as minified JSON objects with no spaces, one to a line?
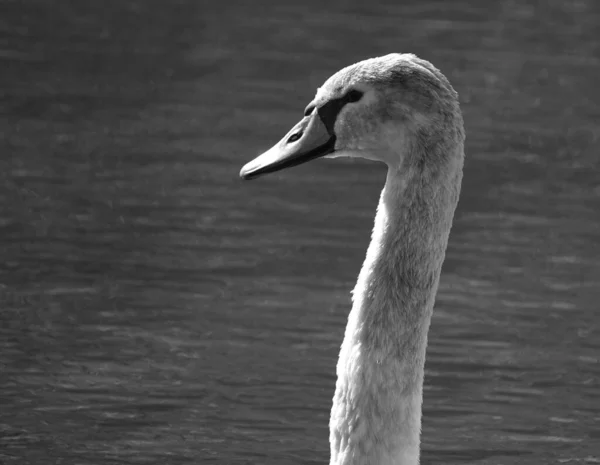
{"x":308,"y":140}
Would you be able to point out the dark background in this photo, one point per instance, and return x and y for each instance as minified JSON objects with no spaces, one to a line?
{"x":155,"y":309}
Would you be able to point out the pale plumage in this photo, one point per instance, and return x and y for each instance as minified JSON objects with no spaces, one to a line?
{"x":400,"y":110}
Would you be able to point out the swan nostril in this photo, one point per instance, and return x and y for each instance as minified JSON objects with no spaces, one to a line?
{"x":294,"y":137}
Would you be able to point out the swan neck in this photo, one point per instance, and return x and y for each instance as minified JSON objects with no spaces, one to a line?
{"x":376,"y":414}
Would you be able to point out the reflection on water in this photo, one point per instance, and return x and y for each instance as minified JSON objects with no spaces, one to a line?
{"x":157,"y":310}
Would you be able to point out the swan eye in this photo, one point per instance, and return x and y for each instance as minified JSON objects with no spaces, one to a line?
{"x":309,"y":109}
{"x":294,"y":137}
{"x":354,"y":96}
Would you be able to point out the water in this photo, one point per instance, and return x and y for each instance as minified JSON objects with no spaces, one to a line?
{"x":155,"y":309}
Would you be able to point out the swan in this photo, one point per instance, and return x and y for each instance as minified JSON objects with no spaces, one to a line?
{"x":400,"y":110}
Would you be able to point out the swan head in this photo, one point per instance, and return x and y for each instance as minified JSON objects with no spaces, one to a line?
{"x":384,"y":109}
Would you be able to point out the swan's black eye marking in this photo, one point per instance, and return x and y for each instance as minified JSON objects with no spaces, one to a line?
{"x":353,"y":96}
{"x":294,"y":137}
{"x":309,"y":109}
{"x":329,"y":111}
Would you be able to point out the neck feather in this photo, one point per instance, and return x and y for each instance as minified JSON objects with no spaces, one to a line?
{"x":376,"y":414}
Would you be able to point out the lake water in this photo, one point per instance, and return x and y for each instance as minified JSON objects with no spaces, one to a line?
{"x":155,"y":309}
